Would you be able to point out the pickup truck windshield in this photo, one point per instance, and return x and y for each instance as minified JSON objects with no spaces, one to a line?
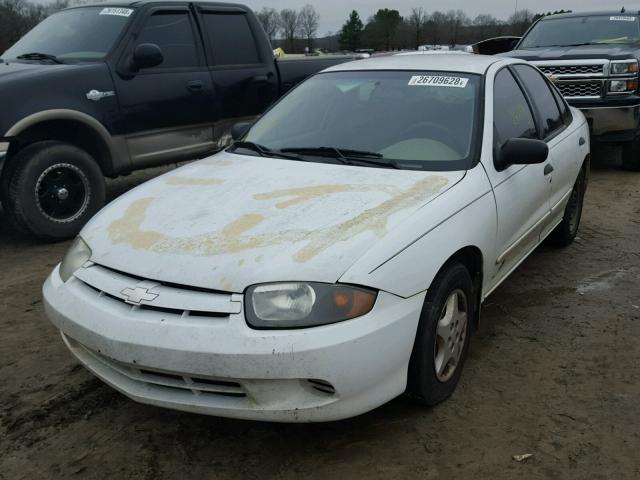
{"x":86,"y":33}
{"x":588,"y":30}
{"x":412,"y":120}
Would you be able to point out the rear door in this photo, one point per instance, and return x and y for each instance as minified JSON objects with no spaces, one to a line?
{"x":243,"y":73}
{"x":555,"y":119}
{"x":521,"y":191}
{"x":167,"y":109}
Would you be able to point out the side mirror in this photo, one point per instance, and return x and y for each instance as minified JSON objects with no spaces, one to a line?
{"x":521,"y":151}
{"x":239,"y":129}
{"x":146,"y":55}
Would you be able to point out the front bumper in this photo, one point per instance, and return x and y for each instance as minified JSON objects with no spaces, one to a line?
{"x":613,"y":124}
{"x":222,"y":367}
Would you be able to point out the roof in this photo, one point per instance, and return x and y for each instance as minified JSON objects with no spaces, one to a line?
{"x":608,"y":13}
{"x":139,"y":3}
{"x":443,"y":62}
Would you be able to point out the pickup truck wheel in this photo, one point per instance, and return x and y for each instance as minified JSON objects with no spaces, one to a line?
{"x":54,"y":188}
{"x":442,"y":340}
{"x":631,"y":156}
{"x":565,"y":233}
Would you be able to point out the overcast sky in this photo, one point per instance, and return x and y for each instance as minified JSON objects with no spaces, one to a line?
{"x":333,"y":13}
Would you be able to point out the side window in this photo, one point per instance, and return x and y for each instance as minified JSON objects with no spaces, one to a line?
{"x":540,"y":91}
{"x":512,"y":116}
{"x":564,"y":108}
{"x":231,"y":38}
{"x":173,"y":33}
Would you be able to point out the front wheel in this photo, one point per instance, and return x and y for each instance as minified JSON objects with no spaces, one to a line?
{"x":53,"y":189}
{"x":442,"y":339}
{"x":631,"y":156}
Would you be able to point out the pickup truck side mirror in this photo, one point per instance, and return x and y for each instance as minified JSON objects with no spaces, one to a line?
{"x":521,"y":151}
{"x":239,"y":129}
{"x":146,"y":55}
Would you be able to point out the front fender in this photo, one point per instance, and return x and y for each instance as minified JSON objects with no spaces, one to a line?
{"x":462,"y":217}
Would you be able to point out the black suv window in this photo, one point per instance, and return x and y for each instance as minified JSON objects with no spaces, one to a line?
{"x":540,"y":91}
{"x":173,"y":33}
{"x":231,"y":39}
{"x":512,"y":116}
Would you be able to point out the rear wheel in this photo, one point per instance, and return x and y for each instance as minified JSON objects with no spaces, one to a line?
{"x":631,"y":156}
{"x":52,"y":190}
{"x":565,"y":233}
{"x":443,"y":335}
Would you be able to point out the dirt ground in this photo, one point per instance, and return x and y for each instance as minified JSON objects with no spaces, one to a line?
{"x":555,"y":372}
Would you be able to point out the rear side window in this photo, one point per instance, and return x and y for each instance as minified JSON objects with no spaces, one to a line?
{"x":231,"y":39}
{"x":540,"y":91}
{"x":564,"y":108}
{"x":173,"y":33}
{"x":512,"y":117}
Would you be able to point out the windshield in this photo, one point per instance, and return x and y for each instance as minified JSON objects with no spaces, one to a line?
{"x":591,"y":30}
{"x":421,"y":120}
{"x":77,"y":34}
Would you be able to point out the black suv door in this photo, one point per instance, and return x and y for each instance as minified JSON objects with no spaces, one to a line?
{"x":167,"y":110}
{"x":244,"y":82}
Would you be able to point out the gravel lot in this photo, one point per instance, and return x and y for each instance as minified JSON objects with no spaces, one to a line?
{"x":554,"y":372}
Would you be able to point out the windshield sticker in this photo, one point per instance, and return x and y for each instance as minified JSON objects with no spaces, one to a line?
{"x":438,"y":81}
{"x":118,"y":12}
{"x":622,"y":19}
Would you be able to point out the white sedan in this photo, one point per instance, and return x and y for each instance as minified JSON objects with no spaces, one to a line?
{"x":337,"y":255}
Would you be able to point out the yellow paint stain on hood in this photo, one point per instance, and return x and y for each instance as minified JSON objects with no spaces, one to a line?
{"x":236,"y":236}
{"x":193,"y":181}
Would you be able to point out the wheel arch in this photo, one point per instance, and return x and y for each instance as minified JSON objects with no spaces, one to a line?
{"x":73,"y":127}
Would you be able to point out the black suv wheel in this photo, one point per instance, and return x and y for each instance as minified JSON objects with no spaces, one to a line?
{"x":53,"y":189}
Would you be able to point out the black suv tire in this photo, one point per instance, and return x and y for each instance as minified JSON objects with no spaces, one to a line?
{"x":53,"y":188}
{"x":631,"y":156}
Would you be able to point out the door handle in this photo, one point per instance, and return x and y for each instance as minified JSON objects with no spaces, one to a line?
{"x":195,"y":86}
{"x":548,"y":168}
{"x":582,"y":141}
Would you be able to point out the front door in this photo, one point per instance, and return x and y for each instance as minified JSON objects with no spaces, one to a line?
{"x":167,"y":109}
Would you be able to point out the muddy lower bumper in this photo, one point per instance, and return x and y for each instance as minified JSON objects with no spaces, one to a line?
{"x":222,"y":367}
{"x":613,"y":124}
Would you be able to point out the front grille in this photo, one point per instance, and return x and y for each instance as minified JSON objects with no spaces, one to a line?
{"x":133,"y":293}
{"x":185,"y":384}
{"x":572,"y":69}
{"x":582,"y":89}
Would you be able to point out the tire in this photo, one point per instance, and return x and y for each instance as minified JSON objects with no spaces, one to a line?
{"x":431,"y":380}
{"x":52,"y":190}
{"x":565,"y":233}
{"x":631,"y":156}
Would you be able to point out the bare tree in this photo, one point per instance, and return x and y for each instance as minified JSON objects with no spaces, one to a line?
{"x":437,"y":26}
{"x":418,"y":22}
{"x":309,"y":19}
{"x":289,"y":24}
{"x":520,"y":21}
{"x":270,"y":20}
{"x":456,"y":20}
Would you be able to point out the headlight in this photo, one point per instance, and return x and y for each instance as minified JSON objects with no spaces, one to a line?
{"x":302,"y":304}
{"x":623,"y":86}
{"x":76,"y":256}
{"x":623,"y":68}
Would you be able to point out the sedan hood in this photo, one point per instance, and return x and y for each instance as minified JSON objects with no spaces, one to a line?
{"x":231,"y":221}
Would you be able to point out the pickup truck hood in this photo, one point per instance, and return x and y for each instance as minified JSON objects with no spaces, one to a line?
{"x":231,"y":221}
{"x":612,"y":52}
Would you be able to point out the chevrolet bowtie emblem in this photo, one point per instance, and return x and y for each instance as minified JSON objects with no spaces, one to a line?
{"x":138,"y":295}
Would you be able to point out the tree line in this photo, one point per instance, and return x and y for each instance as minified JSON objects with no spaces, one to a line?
{"x":297,"y":30}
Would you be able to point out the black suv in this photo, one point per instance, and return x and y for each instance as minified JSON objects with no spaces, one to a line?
{"x":102,"y":90}
{"x":593,"y":59}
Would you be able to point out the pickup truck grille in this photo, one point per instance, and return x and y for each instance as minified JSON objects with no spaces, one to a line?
{"x":580,"y":90}
{"x":571,"y":69}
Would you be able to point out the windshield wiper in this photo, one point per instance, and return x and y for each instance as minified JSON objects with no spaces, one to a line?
{"x":263,"y":151}
{"x":38,"y":56}
{"x":347,"y":156}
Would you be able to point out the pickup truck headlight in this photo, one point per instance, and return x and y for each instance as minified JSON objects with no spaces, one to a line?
{"x":624,"y":68}
{"x":623,"y":86}
{"x":305,"y":304}
{"x":76,"y":256}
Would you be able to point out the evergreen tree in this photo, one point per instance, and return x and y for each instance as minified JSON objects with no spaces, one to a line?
{"x":351,"y":33}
